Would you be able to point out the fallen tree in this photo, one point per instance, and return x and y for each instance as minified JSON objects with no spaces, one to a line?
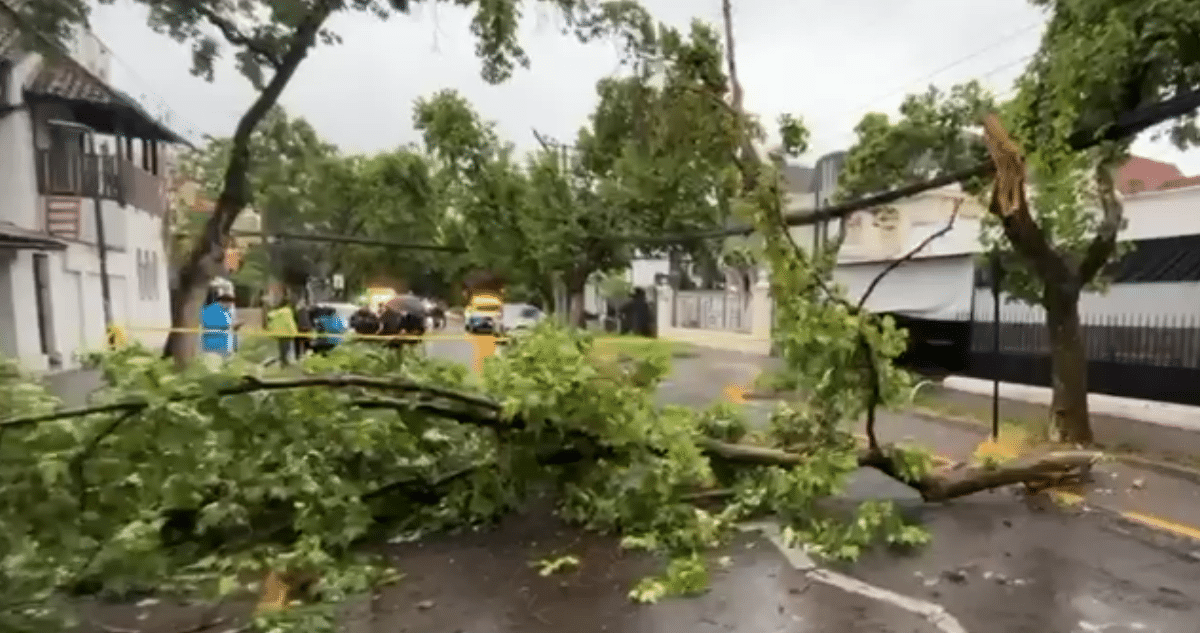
{"x":184,"y":482}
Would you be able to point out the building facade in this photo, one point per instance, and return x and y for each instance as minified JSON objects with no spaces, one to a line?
{"x":82,"y":208}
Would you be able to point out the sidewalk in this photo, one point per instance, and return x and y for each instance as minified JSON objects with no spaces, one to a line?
{"x":1154,"y":430}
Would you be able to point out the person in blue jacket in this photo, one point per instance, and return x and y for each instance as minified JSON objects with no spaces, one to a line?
{"x":329,"y":327}
{"x":218,"y":341}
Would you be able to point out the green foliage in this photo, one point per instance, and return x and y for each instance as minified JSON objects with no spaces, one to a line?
{"x":1097,"y":59}
{"x":654,"y":159}
{"x":216,"y":477}
{"x":260,"y":33}
{"x":935,"y":135}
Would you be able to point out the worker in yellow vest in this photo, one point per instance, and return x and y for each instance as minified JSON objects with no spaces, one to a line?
{"x":281,"y":324}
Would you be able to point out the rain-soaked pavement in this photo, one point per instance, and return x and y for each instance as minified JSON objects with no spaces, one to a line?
{"x":999,"y":563}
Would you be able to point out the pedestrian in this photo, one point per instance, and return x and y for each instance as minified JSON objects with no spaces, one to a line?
{"x":281,"y":324}
{"x":303,"y":329}
{"x":330,"y":328}
{"x":365,"y":322}
{"x":218,"y":341}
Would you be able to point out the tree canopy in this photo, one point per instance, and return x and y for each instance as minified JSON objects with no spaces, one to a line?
{"x":193,"y":482}
{"x":1096,"y":61}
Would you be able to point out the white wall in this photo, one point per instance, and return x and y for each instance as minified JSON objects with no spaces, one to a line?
{"x":643,"y":271}
{"x":76,"y":309}
{"x":1152,"y":301}
{"x":1162,"y":214}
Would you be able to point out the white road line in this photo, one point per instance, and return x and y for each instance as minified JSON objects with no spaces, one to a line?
{"x":932,"y":612}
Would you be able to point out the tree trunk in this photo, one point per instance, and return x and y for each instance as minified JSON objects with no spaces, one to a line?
{"x":576,"y":286}
{"x":1068,"y":368}
{"x":207,"y":255}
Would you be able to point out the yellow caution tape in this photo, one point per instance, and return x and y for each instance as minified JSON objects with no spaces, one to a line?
{"x":349,"y":334}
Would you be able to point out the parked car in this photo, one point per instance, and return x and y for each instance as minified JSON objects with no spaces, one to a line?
{"x":519,"y":317}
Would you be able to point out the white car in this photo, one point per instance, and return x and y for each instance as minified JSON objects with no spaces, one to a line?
{"x":518,"y":317}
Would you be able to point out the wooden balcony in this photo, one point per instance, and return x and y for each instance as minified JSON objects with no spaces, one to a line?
{"x":64,"y":173}
{"x":76,"y":174}
{"x":142,"y":189}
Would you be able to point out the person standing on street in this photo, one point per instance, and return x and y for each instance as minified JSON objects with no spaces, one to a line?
{"x":304,"y":326}
{"x":281,"y":323}
{"x":218,"y":340}
{"x":331,"y":330}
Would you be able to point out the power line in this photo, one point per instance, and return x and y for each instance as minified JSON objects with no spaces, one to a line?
{"x":849,"y":136}
{"x":957,"y":62}
{"x":1127,"y":125}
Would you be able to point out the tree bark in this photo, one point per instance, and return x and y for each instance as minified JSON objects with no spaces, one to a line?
{"x":1068,"y":367}
{"x":206,"y":257}
{"x":576,"y":284}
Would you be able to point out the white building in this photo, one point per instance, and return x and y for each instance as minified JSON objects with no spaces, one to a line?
{"x":71,"y":144}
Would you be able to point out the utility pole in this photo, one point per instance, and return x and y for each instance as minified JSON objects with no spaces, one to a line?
{"x":562,"y":299}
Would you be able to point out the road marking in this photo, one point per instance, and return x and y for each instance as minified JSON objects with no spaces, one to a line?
{"x":795,"y":556}
{"x":932,"y":612}
{"x":1165,"y":525}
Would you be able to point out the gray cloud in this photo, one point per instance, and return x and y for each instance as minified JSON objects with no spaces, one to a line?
{"x":829,"y":61}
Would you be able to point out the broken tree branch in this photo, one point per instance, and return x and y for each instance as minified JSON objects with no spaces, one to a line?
{"x":942,"y":484}
{"x":250,"y":384}
{"x":1011,"y":206}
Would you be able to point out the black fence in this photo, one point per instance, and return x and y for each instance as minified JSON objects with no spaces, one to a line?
{"x":1132,"y":356}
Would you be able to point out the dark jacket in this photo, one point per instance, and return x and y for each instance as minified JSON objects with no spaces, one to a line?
{"x":304,"y":321}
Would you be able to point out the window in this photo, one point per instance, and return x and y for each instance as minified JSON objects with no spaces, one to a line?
{"x":147,"y":274}
{"x":41,"y":286}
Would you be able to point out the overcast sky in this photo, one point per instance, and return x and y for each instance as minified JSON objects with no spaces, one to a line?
{"x":829,"y":61}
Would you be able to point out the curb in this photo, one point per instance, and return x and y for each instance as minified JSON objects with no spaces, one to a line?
{"x":1191,"y":475}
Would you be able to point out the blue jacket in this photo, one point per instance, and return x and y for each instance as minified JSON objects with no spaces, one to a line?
{"x":330,"y":324}
{"x":218,"y":335}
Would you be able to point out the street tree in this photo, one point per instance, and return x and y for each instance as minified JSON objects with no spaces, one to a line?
{"x":191,"y":483}
{"x":484,"y":191}
{"x":293,"y":168}
{"x":269,"y":40}
{"x":653,"y":160}
{"x":1096,"y":61}
{"x":390,"y":195}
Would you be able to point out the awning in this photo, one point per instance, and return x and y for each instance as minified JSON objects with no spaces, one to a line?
{"x":94,"y":103}
{"x":934,"y":288}
{"x":13,"y":237}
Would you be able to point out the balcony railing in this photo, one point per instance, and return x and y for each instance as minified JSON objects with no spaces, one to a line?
{"x":143,"y":189}
{"x":67,"y":173}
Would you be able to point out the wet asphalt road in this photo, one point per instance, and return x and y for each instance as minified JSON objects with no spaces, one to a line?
{"x":998,"y":563}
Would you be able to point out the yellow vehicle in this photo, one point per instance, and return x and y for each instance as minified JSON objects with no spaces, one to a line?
{"x":483,"y":314}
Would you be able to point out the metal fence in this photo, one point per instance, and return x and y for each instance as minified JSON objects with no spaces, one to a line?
{"x":711,"y":310}
{"x":1153,"y":357}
